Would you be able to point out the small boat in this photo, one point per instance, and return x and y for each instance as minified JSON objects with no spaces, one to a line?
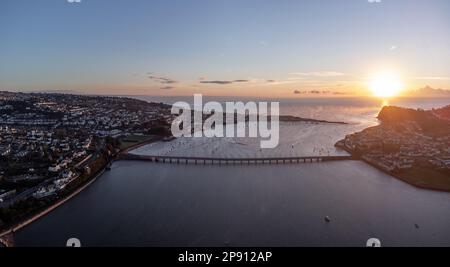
{"x":327,"y":219}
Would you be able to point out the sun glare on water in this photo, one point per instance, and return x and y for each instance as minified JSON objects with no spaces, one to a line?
{"x":385,"y":85}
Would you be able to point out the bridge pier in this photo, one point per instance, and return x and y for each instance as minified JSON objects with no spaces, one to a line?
{"x":233,"y":161}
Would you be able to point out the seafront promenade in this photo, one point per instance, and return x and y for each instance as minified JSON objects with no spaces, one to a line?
{"x":5,"y":236}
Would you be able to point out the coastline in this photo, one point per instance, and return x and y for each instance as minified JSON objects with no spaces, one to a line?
{"x":139,"y":144}
{"x":405,"y":179}
{"x":18,"y":226}
{"x":49,"y":209}
{"x":289,"y":118}
{"x":25,"y":222}
{"x":392,"y":174}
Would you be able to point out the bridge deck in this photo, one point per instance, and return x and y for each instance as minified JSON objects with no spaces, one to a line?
{"x":211,"y":160}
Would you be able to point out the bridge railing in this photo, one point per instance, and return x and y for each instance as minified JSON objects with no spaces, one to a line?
{"x":212,"y":160}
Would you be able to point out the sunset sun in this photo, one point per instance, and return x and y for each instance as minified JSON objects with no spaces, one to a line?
{"x":385,"y":84}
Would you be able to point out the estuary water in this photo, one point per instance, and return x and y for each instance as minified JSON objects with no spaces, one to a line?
{"x":148,"y":204}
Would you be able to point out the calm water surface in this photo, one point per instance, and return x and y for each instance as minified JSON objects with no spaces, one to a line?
{"x":146,"y":204}
{"x":284,"y":205}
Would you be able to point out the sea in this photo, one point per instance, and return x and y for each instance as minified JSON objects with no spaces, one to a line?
{"x":165,"y":205}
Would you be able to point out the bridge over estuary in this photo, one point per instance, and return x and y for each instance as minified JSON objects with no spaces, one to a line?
{"x":234,"y":161}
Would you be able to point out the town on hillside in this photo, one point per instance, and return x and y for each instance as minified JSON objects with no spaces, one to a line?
{"x":50,"y":144}
{"x":413,"y":145}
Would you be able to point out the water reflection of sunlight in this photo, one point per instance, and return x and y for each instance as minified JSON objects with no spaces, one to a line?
{"x":385,"y":103}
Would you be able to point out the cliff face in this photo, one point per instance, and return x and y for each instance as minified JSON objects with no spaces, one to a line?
{"x":427,"y":120}
{"x":392,"y":114}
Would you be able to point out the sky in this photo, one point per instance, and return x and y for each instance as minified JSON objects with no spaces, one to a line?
{"x":222,"y":47}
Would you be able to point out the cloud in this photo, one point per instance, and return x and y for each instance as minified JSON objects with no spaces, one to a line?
{"x":432,"y":78}
{"x":217,"y":82}
{"x":167,"y":87}
{"x":374,"y":1}
{"x":318,"y":74}
{"x":340,"y":93}
{"x":392,"y":48}
{"x":161,"y":79}
{"x":222,"y":82}
{"x":319,"y":92}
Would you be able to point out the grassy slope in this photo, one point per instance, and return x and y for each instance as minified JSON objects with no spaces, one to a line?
{"x":426,"y":178}
{"x":132,"y":140}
